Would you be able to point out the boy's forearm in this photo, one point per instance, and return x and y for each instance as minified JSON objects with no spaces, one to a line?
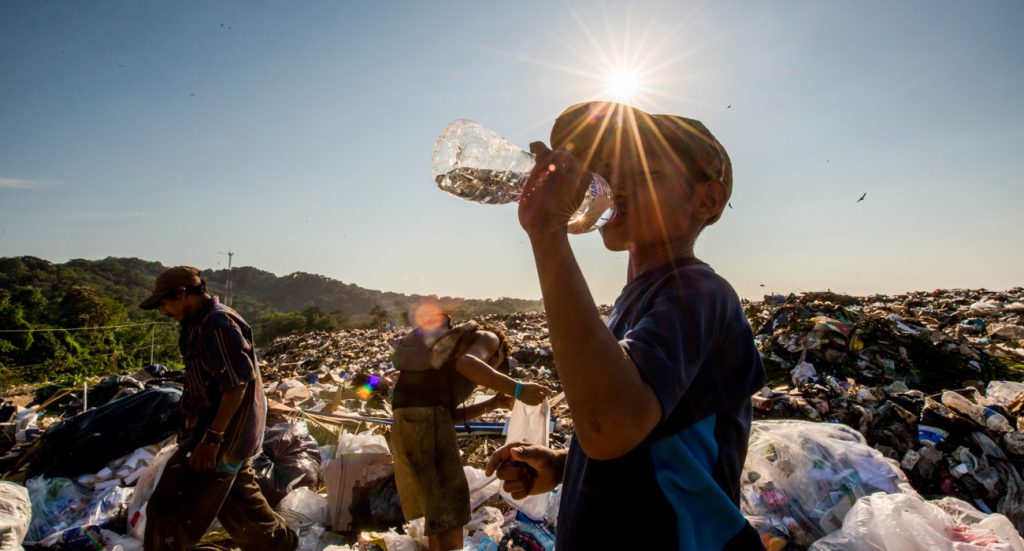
{"x":476,"y":410}
{"x":613,"y":408}
{"x":478,"y":372}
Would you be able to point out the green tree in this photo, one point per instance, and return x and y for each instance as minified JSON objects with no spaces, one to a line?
{"x":379,"y":315}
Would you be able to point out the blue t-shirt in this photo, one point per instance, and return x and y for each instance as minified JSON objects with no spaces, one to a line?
{"x":685,"y":330}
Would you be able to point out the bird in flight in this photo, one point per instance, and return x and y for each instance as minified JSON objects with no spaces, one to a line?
{"x":862,"y":197}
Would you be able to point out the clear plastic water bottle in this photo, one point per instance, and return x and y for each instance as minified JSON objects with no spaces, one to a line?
{"x":989,"y":417}
{"x":473,"y":163}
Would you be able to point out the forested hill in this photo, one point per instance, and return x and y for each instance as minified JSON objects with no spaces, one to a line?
{"x":255,"y":292}
{"x":39,"y":300}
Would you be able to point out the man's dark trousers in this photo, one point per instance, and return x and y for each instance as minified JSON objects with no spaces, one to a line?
{"x":185,"y":503}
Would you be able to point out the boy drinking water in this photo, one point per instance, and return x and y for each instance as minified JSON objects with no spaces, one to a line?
{"x":660,"y":396}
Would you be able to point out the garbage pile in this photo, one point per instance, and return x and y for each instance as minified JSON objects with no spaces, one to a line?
{"x":918,"y":375}
{"x":931,"y":341}
{"x":906,"y":403}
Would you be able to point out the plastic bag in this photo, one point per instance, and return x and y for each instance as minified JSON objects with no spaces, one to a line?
{"x":114,"y":386}
{"x":486,"y":523}
{"x":303,"y":507}
{"x":15,"y":515}
{"x":89,"y":538}
{"x":87,"y":442}
{"x":530,"y":424}
{"x":907,"y":522}
{"x":805,"y":476}
{"x":144,"y":489}
{"x":310,"y":537}
{"x":1003,"y":393}
{"x":290,"y":459}
{"x":481,"y":487}
{"x":364,"y":442}
{"x":61,"y":510}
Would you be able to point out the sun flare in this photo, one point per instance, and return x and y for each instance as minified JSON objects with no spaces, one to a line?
{"x":623,"y":84}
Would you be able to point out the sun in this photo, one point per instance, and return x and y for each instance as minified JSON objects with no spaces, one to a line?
{"x":623,"y":84}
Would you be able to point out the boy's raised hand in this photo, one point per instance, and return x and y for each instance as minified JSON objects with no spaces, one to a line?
{"x":553,"y":192}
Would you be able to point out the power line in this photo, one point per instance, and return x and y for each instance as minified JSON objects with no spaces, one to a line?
{"x":77,"y":358}
{"x":55,"y":329}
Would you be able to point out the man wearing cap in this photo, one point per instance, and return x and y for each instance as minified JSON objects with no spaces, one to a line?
{"x":660,"y":394}
{"x":211,"y":474}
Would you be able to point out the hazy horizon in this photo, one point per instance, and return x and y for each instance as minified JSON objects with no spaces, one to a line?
{"x":299,"y":137}
{"x":755,"y":298}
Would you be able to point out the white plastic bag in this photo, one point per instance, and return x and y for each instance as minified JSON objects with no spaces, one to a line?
{"x":147,"y":483}
{"x":481,"y":488}
{"x":530,"y":424}
{"x":906,"y":522}
{"x":364,"y":442}
{"x":303,"y":507}
{"x":15,"y":515}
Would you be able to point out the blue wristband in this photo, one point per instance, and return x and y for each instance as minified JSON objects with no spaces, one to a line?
{"x":519,"y":389}
{"x":230,"y":468}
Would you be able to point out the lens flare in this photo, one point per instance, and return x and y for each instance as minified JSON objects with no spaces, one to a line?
{"x":427,"y":314}
{"x":364,"y":391}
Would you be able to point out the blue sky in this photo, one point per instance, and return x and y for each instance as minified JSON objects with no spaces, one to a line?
{"x":299,"y":135}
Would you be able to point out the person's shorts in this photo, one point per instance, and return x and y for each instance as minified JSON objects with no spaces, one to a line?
{"x":428,"y":469}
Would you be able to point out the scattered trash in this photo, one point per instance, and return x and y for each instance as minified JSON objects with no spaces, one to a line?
{"x":868,"y":398}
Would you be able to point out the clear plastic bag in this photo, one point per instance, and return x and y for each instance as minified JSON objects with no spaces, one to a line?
{"x":15,"y":515}
{"x":805,"y":476}
{"x":61,"y":508}
{"x":906,"y":522}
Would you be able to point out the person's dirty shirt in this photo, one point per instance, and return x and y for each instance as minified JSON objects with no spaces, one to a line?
{"x":685,"y":330}
{"x":217,"y":346}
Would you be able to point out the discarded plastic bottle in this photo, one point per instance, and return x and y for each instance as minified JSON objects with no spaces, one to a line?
{"x":982,"y":415}
{"x":473,"y":163}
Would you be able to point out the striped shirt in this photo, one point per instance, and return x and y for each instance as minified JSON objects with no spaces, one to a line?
{"x":216,"y":344}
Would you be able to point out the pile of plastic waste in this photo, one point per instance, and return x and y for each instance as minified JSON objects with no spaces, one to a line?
{"x":880,"y":412}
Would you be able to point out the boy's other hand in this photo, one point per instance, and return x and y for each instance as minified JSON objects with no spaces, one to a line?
{"x":526,"y":469}
{"x":553,"y":192}
{"x":504,"y":401}
{"x":533,"y":393}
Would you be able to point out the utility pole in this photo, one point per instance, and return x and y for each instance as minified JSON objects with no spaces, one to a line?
{"x":230,"y":283}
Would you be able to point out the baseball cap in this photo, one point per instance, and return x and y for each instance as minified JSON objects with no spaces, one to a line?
{"x":169,"y":280}
{"x":598,"y":130}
